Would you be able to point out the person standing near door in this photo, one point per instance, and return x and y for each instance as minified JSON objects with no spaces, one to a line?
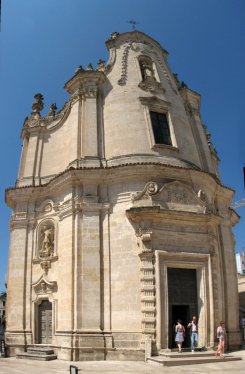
{"x":193,"y":333}
{"x":221,"y":335}
{"x":180,"y":333}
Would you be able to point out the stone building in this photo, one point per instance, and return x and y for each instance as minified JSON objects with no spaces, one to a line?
{"x":120,"y":221}
{"x":3,"y":299}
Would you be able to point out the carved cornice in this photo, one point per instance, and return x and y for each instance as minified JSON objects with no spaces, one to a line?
{"x":155,"y":102}
{"x":156,"y":213}
{"x":70,"y":177}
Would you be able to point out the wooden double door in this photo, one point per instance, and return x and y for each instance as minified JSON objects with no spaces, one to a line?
{"x":45,"y":322}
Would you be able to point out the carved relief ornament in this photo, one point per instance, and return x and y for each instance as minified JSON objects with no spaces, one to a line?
{"x":174,"y":195}
{"x":144,"y":243}
{"x":44,"y":286}
{"x":149,"y":189}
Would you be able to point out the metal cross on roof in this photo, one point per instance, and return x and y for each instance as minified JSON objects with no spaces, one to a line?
{"x":133,"y":23}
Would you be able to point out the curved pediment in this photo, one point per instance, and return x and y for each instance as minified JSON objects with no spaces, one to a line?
{"x":172,"y":196}
{"x":44,"y":286}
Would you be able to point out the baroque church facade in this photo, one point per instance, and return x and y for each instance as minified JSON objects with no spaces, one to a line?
{"x":121,"y":224}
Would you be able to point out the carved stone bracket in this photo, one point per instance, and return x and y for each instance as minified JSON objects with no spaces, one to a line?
{"x":151,"y":85}
{"x":144,"y":241}
{"x":45,"y":265}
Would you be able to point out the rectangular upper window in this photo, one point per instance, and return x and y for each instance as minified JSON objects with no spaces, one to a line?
{"x":160,"y":128}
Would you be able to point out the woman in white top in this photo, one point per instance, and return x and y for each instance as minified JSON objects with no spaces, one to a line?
{"x":221,"y":333}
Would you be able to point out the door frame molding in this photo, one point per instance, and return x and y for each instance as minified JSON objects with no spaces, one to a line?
{"x":199,"y":262}
{"x":39,"y":323}
{"x":35,"y":316}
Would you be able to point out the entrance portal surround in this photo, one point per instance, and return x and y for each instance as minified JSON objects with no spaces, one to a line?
{"x":43,"y":290}
{"x":202,"y":264}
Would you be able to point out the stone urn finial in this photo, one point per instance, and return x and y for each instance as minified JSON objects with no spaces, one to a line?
{"x":52,"y":110}
{"x":37,"y":106}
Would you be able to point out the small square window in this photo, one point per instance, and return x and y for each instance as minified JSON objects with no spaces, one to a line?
{"x":160,"y":128}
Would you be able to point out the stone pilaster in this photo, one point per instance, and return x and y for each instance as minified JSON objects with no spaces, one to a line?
{"x":147,"y":281}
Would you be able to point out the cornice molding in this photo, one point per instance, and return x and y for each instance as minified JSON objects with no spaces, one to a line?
{"x":71,"y":176}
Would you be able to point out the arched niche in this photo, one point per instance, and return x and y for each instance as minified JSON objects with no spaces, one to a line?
{"x":146,"y":67}
{"x":46,"y":239}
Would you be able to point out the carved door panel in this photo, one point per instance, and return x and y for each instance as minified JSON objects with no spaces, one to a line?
{"x":45,"y":322}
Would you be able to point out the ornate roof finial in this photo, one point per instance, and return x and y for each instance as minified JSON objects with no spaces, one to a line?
{"x":79,"y":68}
{"x":114,"y":34}
{"x":37,"y":106}
{"x":52,"y":110}
{"x":90,"y":67}
{"x":133,"y":23}
{"x":101,"y":65}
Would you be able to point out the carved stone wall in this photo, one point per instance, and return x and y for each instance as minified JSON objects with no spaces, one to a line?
{"x":100,"y":212}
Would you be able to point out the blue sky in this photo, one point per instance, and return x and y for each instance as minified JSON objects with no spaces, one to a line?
{"x":43,"y":42}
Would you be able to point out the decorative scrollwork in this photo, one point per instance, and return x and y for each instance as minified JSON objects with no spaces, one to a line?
{"x":149,"y":189}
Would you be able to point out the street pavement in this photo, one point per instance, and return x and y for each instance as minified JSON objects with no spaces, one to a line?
{"x":14,"y":366}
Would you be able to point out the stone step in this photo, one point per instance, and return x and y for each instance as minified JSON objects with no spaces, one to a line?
{"x":37,"y":357}
{"x":186,"y":359}
{"x":39,"y":353}
{"x":186,"y":354}
{"x":40,"y":350}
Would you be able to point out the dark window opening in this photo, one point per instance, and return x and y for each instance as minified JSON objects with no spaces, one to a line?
{"x":160,"y":128}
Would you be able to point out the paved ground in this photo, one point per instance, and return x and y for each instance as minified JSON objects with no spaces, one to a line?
{"x":14,"y":366}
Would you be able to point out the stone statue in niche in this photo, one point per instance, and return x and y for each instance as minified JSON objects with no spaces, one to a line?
{"x":47,"y":241}
{"x":149,"y":82}
{"x":147,"y":69}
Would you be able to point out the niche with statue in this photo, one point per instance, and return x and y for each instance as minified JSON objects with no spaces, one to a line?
{"x":46,"y":239}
